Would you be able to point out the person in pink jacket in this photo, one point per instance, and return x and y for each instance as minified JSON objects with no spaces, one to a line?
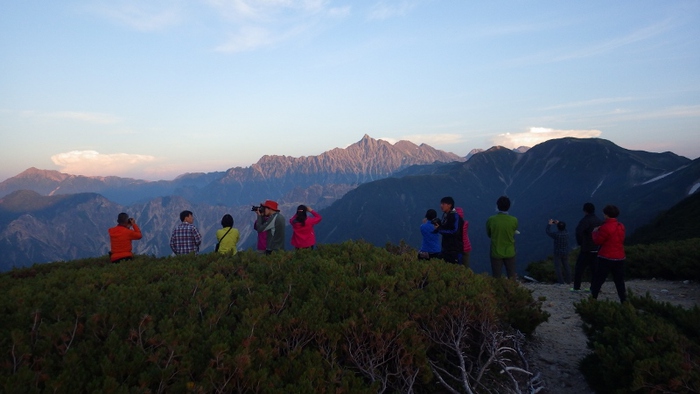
{"x":303,"y":236}
{"x":611,"y":256}
{"x":464,"y":257}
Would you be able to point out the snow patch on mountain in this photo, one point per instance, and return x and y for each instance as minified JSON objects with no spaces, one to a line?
{"x":694,"y":188}
{"x":596,"y":188}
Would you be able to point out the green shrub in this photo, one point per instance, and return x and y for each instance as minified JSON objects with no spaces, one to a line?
{"x":641,"y":345}
{"x":342,"y":318}
{"x":673,"y":260}
{"x":543,"y":270}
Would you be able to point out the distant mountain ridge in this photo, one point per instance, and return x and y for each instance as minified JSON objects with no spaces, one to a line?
{"x":271,"y":177}
{"x":681,"y":221}
{"x":550,"y":180}
{"x":313,"y":180}
{"x":365,"y":161}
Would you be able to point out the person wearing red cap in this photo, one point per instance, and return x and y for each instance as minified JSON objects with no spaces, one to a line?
{"x":274,"y":226}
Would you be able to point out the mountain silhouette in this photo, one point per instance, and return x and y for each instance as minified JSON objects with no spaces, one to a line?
{"x":551,"y":180}
{"x":371,"y":190}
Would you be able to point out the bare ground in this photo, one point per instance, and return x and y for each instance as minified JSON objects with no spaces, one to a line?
{"x":559,"y":344}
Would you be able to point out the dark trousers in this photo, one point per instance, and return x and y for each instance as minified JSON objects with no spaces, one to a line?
{"x":497,"y":267}
{"x":584,"y":260}
{"x":561,"y":263}
{"x":450,"y":257}
{"x":605,"y":266}
{"x":429,"y":256}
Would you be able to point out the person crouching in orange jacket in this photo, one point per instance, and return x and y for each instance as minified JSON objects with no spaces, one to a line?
{"x":120,"y":237}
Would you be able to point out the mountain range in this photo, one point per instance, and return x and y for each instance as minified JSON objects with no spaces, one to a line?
{"x":330,"y":174}
{"x":371,"y":190}
{"x":551,"y":180}
{"x":31,"y":223}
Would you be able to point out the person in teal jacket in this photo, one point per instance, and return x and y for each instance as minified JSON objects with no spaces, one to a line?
{"x":501,"y":228}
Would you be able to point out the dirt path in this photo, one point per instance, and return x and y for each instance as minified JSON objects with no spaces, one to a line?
{"x":560,"y":343}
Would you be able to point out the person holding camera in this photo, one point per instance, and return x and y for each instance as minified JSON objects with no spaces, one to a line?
{"x":120,"y":237}
{"x":430,"y":248}
{"x":273,"y":226}
{"x":303,"y":236}
{"x":560,"y":255}
{"x":261,"y":245}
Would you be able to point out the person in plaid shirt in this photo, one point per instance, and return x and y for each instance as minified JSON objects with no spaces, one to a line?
{"x":560,"y":254}
{"x":186,"y":238}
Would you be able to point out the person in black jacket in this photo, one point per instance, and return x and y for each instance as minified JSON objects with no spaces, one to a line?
{"x":450,"y":227}
{"x":588,"y":254}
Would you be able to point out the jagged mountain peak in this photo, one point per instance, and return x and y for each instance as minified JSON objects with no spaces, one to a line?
{"x":369,"y":156}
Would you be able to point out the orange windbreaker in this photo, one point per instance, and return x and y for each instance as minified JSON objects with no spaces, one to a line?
{"x":120,"y":238}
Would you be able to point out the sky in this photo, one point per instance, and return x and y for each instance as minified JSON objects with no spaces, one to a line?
{"x":154,"y":89}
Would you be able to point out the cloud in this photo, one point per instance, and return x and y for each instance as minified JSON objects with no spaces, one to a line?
{"x":338,"y":12}
{"x":538,"y":135}
{"x":593,"y":50}
{"x":142,"y":15}
{"x":248,"y":38}
{"x":259,"y":24}
{"x":266,"y":10}
{"x":89,"y":117}
{"x":684,"y":111}
{"x":589,"y":103}
{"x":244,"y":24}
{"x":386,"y":10}
{"x":93,"y":163}
{"x":611,"y":45}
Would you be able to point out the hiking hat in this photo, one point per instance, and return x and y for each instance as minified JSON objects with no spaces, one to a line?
{"x":271,"y":204}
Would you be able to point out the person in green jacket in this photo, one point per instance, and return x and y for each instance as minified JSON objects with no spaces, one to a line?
{"x":501,"y":228}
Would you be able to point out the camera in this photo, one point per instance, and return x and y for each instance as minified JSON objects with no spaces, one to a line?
{"x":435,"y":221}
{"x":256,"y":208}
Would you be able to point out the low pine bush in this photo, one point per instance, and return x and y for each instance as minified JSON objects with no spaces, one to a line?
{"x":343,"y":318}
{"x":641,"y":346}
{"x":672,"y":260}
{"x":543,"y":270}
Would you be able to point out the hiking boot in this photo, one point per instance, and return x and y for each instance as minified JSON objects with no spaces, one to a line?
{"x":574,"y":290}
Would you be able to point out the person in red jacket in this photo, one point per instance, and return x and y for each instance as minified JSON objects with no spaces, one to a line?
{"x":611,"y":256}
{"x":120,"y":237}
{"x":303,"y":235}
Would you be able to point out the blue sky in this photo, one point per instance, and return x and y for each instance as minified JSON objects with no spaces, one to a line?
{"x":153,"y":89}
